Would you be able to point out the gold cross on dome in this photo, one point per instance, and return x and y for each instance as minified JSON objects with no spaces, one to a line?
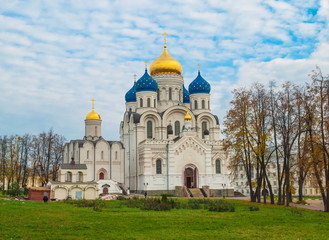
{"x":165,"y":38}
{"x":145,"y":64}
{"x":135,"y":77}
{"x":93,"y":103}
{"x":199,"y":66}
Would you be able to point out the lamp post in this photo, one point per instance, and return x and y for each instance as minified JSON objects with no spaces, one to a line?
{"x":145,"y":191}
{"x":223,"y":185}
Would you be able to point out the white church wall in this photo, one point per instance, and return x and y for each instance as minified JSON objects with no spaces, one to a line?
{"x":91,"y":193}
{"x":117,"y":162}
{"x":102,"y":151}
{"x":76,"y":152}
{"x":87,"y":152}
{"x":66,"y":153}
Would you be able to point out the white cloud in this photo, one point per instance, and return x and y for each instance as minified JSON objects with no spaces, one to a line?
{"x":57,"y":55}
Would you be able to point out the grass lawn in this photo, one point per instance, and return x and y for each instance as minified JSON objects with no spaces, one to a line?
{"x":59,"y":220}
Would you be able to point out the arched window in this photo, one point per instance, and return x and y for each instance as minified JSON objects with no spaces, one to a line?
{"x":218,"y":170}
{"x":149,"y":129}
{"x":169,"y":129}
{"x":141,"y":102}
{"x":101,"y":175}
{"x":177,"y":128}
{"x":68,"y":177}
{"x":158,"y":94}
{"x":154,"y":103}
{"x":158,"y":166}
{"x":203,"y":128}
{"x":203,"y":104}
{"x":195,"y":104}
{"x":208,"y":105}
{"x":170,"y":93}
{"x":148,"y":102}
{"x":88,"y":154}
{"x":80,"y":177}
{"x":116,"y":155}
{"x":96,"y":131}
{"x":129,"y":109}
{"x":102,"y":155}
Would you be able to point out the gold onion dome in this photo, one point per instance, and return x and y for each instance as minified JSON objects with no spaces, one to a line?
{"x":93,"y":114}
{"x":165,"y":63}
{"x":187,"y":117}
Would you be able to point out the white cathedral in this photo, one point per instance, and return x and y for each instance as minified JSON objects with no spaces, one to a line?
{"x":169,"y":142}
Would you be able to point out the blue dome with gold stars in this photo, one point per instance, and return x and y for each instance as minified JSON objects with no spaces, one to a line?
{"x":186,"y":95}
{"x":146,"y":83}
{"x":199,"y":85}
{"x":131,"y":94}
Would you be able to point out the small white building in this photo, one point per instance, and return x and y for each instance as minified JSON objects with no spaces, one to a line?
{"x":92,"y":166}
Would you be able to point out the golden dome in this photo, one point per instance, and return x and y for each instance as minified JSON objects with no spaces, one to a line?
{"x":165,"y":64}
{"x":93,"y":115}
{"x":187,"y":117}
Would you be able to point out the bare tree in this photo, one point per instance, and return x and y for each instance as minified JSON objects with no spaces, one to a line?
{"x":3,"y":152}
{"x":319,"y":133}
{"x":34,"y":156}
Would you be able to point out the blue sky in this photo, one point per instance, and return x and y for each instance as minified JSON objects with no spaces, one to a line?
{"x":57,"y":55}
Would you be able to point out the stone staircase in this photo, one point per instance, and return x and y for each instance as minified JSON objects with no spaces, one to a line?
{"x":123,"y":188}
{"x":196,"y":193}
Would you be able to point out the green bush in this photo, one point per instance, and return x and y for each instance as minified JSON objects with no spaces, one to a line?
{"x":194,"y":204}
{"x":164,"y":197}
{"x":14,"y":190}
{"x":121,"y":198}
{"x":253,"y":208}
{"x":134,"y":203}
{"x":165,"y":204}
{"x":156,"y":205}
{"x":203,"y":201}
{"x":221,"y":206}
{"x":97,"y":204}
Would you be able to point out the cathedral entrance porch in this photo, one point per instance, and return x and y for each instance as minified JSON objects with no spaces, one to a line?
{"x":190,"y":176}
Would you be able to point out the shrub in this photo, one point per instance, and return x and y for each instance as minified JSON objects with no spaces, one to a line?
{"x":164,"y":197}
{"x":134,"y":203}
{"x":194,"y":204}
{"x":221,"y":206}
{"x":203,"y":201}
{"x":156,"y":205}
{"x":97,"y":205}
{"x":121,"y":198}
{"x":253,"y":208}
{"x":14,"y":190}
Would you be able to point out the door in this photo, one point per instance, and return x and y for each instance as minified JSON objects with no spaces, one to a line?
{"x":78,"y":195}
{"x":190,"y":177}
{"x":105,"y":191}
